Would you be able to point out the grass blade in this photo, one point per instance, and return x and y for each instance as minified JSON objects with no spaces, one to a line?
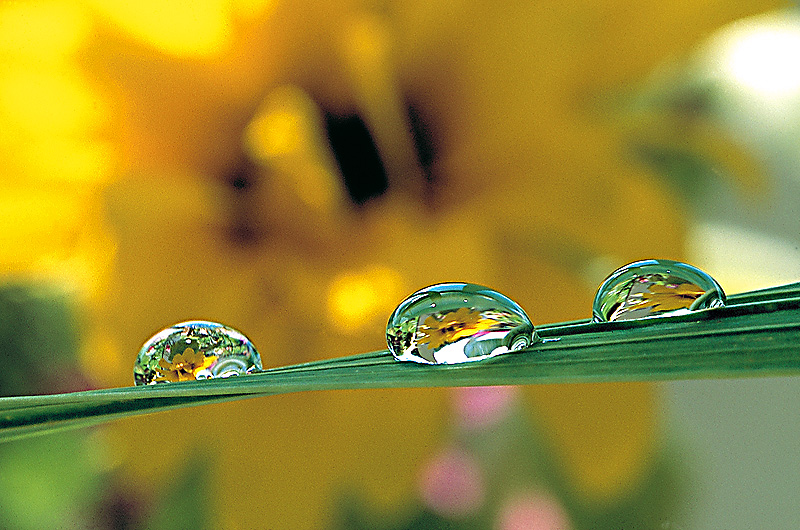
{"x":756,"y":334}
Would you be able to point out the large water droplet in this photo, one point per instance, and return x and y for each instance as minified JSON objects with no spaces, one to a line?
{"x":195,"y":350}
{"x":451,"y":323}
{"x":654,"y":288}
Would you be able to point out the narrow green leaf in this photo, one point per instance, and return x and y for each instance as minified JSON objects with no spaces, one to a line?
{"x":756,"y":334}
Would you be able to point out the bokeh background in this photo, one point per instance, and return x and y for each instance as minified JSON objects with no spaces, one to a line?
{"x":295,"y":168}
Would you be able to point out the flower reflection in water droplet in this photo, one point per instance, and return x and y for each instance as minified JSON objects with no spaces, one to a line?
{"x":451,"y":323}
{"x":195,"y":350}
{"x":653,"y":288}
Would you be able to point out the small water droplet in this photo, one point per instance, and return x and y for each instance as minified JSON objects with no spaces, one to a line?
{"x":452,"y":323}
{"x":655,"y":288}
{"x":195,"y":350}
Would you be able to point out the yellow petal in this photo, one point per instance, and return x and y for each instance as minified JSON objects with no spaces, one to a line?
{"x":205,"y":363}
{"x":165,"y":364}
{"x":170,"y":376}
{"x":179,"y":27}
{"x":189,"y":356}
{"x":177,"y":360}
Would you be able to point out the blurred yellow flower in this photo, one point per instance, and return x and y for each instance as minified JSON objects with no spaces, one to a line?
{"x":505,"y":98}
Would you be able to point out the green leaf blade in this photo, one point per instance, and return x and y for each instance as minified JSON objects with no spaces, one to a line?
{"x":757,"y":334}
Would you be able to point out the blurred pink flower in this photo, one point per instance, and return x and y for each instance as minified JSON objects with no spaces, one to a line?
{"x":483,"y":406}
{"x":532,"y":511}
{"x":451,"y":484}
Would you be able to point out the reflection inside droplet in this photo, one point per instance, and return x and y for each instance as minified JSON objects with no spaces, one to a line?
{"x":195,"y":350}
{"x":451,"y":323}
{"x":652,"y":288}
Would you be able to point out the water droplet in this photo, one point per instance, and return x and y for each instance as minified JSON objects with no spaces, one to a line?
{"x":655,"y":288}
{"x":195,"y":350}
{"x":451,"y":323}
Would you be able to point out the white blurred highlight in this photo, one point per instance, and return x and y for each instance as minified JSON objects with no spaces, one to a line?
{"x":742,"y":259}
